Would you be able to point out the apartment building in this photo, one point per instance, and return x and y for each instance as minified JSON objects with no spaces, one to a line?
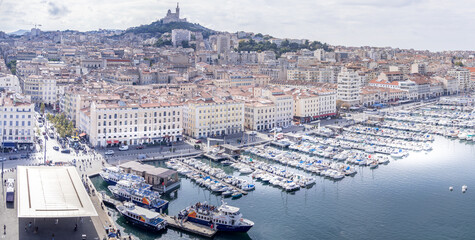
{"x":463,"y":77}
{"x":349,"y":84}
{"x":41,"y":89}
{"x":125,"y":123}
{"x":259,"y":114}
{"x":17,"y":120}
{"x":209,"y":116}
{"x":313,"y":104}
{"x":10,"y":82}
{"x":284,"y":106}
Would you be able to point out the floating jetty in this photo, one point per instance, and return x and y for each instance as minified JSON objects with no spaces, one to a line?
{"x":221,"y":180}
{"x":171,"y":220}
{"x":189,"y":227}
{"x":216,"y":157}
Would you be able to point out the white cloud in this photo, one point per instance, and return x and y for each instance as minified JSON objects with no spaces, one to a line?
{"x":419,"y":24}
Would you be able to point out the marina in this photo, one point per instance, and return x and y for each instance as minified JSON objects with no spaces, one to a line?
{"x":346,"y":161}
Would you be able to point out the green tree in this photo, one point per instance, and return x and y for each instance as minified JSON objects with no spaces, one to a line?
{"x":160,"y":43}
{"x":12,"y":66}
{"x":42,"y":108}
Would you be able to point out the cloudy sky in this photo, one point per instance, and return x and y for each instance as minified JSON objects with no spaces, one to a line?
{"x":420,"y":24}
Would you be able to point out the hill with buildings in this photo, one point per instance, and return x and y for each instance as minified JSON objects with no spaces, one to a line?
{"x":171,"y":21}
{"x":158,"y":28}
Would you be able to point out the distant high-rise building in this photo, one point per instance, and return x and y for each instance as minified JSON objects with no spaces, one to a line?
{"x":349,"y":84}
{"x":418,"y":68}
{"x":223,"y":43}
{"x":180,"y":35}
{"x":463,"y":77}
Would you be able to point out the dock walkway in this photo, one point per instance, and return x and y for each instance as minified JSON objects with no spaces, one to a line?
{"x":189,"y":227}
{"x":104,"y":220}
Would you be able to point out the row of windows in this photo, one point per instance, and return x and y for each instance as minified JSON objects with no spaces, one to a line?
{"x":17,"y":110}
{"x":16,"y":138}
{"x":136,"y":122}
{"x":137,"y":115}
{"x":17,"y":123}
{"x":221,"y":115}
{"x":136,"y":129}
{"x":17,"y":116}
{"x":220,"y":110}
{"x":150,"y":135}
{"x":17,"y":132}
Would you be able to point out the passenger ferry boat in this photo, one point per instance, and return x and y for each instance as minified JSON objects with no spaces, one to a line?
{"x":223,"y":218}
{"x":111,"y":175}
{"x":138,"y":193}
{"x":142,"y":217}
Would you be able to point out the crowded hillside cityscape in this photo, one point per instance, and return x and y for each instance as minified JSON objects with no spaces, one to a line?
{"x":177,"y":131}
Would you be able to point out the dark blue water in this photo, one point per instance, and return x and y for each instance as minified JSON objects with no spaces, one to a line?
{"x":406,"y":199}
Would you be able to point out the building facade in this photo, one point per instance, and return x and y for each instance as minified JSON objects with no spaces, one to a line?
{"x":131,"y":124}
{"x":41,"y":89}
{"x":349,"y":84}
{"x":17,"y":120}
{"x":208,"y":117}
{"x":259,"y":115}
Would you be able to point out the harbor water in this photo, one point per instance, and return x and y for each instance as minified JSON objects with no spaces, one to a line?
{"x":407,"y":199}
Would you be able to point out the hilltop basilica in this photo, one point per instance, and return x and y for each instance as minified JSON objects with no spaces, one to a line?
{"x":173,"y":17}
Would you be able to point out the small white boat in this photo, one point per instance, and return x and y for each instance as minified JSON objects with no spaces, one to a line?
{"x":245,"y":170}
{"x":289,"y":187}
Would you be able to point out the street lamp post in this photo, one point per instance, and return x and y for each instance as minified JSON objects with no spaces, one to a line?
{"x":46,"y":127}
{"x":3,"y":160}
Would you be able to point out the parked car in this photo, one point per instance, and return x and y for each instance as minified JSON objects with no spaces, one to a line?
{"x":198,"y":141}
{"x":141,"y":156}
{"x":13,"y":157}
{"x":139,"y":147}
{"x":56,"y":148}
{"x":109,"y":152}
{"x":124,"y":148}
{"x":24,"y":155}
{"x":67,"y":151}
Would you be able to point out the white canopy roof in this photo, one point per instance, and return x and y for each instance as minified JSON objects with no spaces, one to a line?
{"x":52,"y":192}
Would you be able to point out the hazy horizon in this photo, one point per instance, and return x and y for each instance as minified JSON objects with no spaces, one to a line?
{"x":408,"y":24}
